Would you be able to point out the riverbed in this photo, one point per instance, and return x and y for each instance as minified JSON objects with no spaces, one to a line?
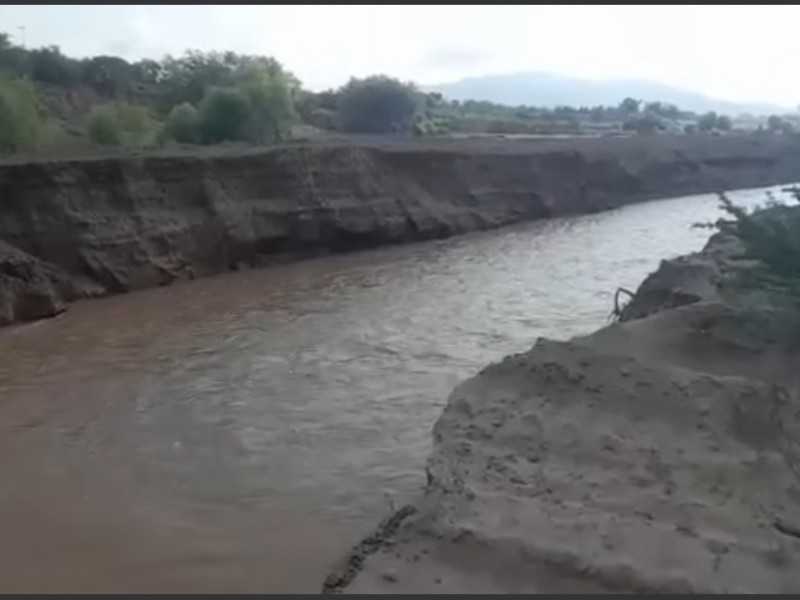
{"x":240,"y":433}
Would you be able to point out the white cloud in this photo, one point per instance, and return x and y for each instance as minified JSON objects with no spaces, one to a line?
{"x":743,"y":53}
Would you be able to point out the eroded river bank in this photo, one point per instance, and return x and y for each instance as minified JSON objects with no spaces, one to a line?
{"x":207,"y":435}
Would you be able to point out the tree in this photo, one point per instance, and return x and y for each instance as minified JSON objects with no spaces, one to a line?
{"x":270,"y":97}
{"x":707,"y":122}
{"x":433,"y":99}
{"x":20,"y":121}
{"x":629,"y":106}
{"x":12,"y":58}
{"x":724,"y":123}
{"x":662,"y":109}
{"x":102,"y":126}
{"x":776,"y":123}
{"x":597,"y":114}
{"x":187,"y":78}
{"x":146,"y":72}
{"x":48,"y":65}
{"x":182,"y":124}
{"x":644,"y":123}
{"x":223,"y":115}
{"x":107,"y":75}
{"x":377,"y":104}
{"x":14,"y":61}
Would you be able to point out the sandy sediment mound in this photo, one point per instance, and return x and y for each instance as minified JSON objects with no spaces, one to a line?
{"x":660,"y":454}
{"x":116,"y":224}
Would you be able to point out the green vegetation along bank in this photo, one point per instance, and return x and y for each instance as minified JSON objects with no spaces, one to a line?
{"x":54,"y":103}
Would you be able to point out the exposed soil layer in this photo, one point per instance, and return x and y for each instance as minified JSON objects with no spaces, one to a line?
{"x":109,"y":225}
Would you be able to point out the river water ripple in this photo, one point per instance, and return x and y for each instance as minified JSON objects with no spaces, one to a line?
{"x":239,"y":433}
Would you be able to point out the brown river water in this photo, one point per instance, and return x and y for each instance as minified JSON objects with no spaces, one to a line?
{"x":240,"y":433}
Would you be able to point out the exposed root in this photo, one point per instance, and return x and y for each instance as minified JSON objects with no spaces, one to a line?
{"x":337,"y":581}
{"x":618,"y":308}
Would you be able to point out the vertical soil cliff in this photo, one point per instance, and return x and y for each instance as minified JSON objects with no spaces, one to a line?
{"x":100,"y":226}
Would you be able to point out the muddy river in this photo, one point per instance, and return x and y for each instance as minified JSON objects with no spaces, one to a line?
{"x":239,"y":433}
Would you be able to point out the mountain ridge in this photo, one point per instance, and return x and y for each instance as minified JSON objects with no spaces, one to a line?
{"x":546,"y":89}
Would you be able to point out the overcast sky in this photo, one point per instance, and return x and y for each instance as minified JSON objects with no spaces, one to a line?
{"x":740,"y":53}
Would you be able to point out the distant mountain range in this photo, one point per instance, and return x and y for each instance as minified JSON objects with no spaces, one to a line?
{"x":543,"y":89}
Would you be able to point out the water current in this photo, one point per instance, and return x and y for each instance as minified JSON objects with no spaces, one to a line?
{"x":240,"y":433}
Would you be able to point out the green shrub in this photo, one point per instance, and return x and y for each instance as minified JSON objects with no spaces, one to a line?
{"x":377,"y":104}
{"x":102,"y":126}
{"x":21,"y":125}
{"x":121,"y":124}
{"x":272,"y":105}
{"x":135,"y":124}
{"x":223,"y":115}
{"x":770,"y":237}
{"x":182,"y":124}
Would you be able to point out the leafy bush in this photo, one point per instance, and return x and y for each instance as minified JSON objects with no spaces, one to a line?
{"x":271,"y":102}
{"x":135,"y":124}
{"x":121,"y":124}
{"x":770,"y":236}
{"x":182,"y":124}
{"x":21,"y":125}
{"x":102,"y":126}
{"x":259,"y":108}
{"x":190,"y":77}
{"x":223,"y":115}
{"x":377,"y":104}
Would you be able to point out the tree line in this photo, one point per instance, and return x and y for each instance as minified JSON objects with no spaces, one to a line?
{"x":215,"y":97}
{"x":200,"y":97}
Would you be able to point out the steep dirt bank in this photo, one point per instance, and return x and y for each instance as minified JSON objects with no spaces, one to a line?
{"x":117,"y":224}
{"x":685,"y":280}
{"x":659,"y":454}
{"x":30,"y":288}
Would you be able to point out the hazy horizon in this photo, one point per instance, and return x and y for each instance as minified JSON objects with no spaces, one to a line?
{"x":733,"y":53}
